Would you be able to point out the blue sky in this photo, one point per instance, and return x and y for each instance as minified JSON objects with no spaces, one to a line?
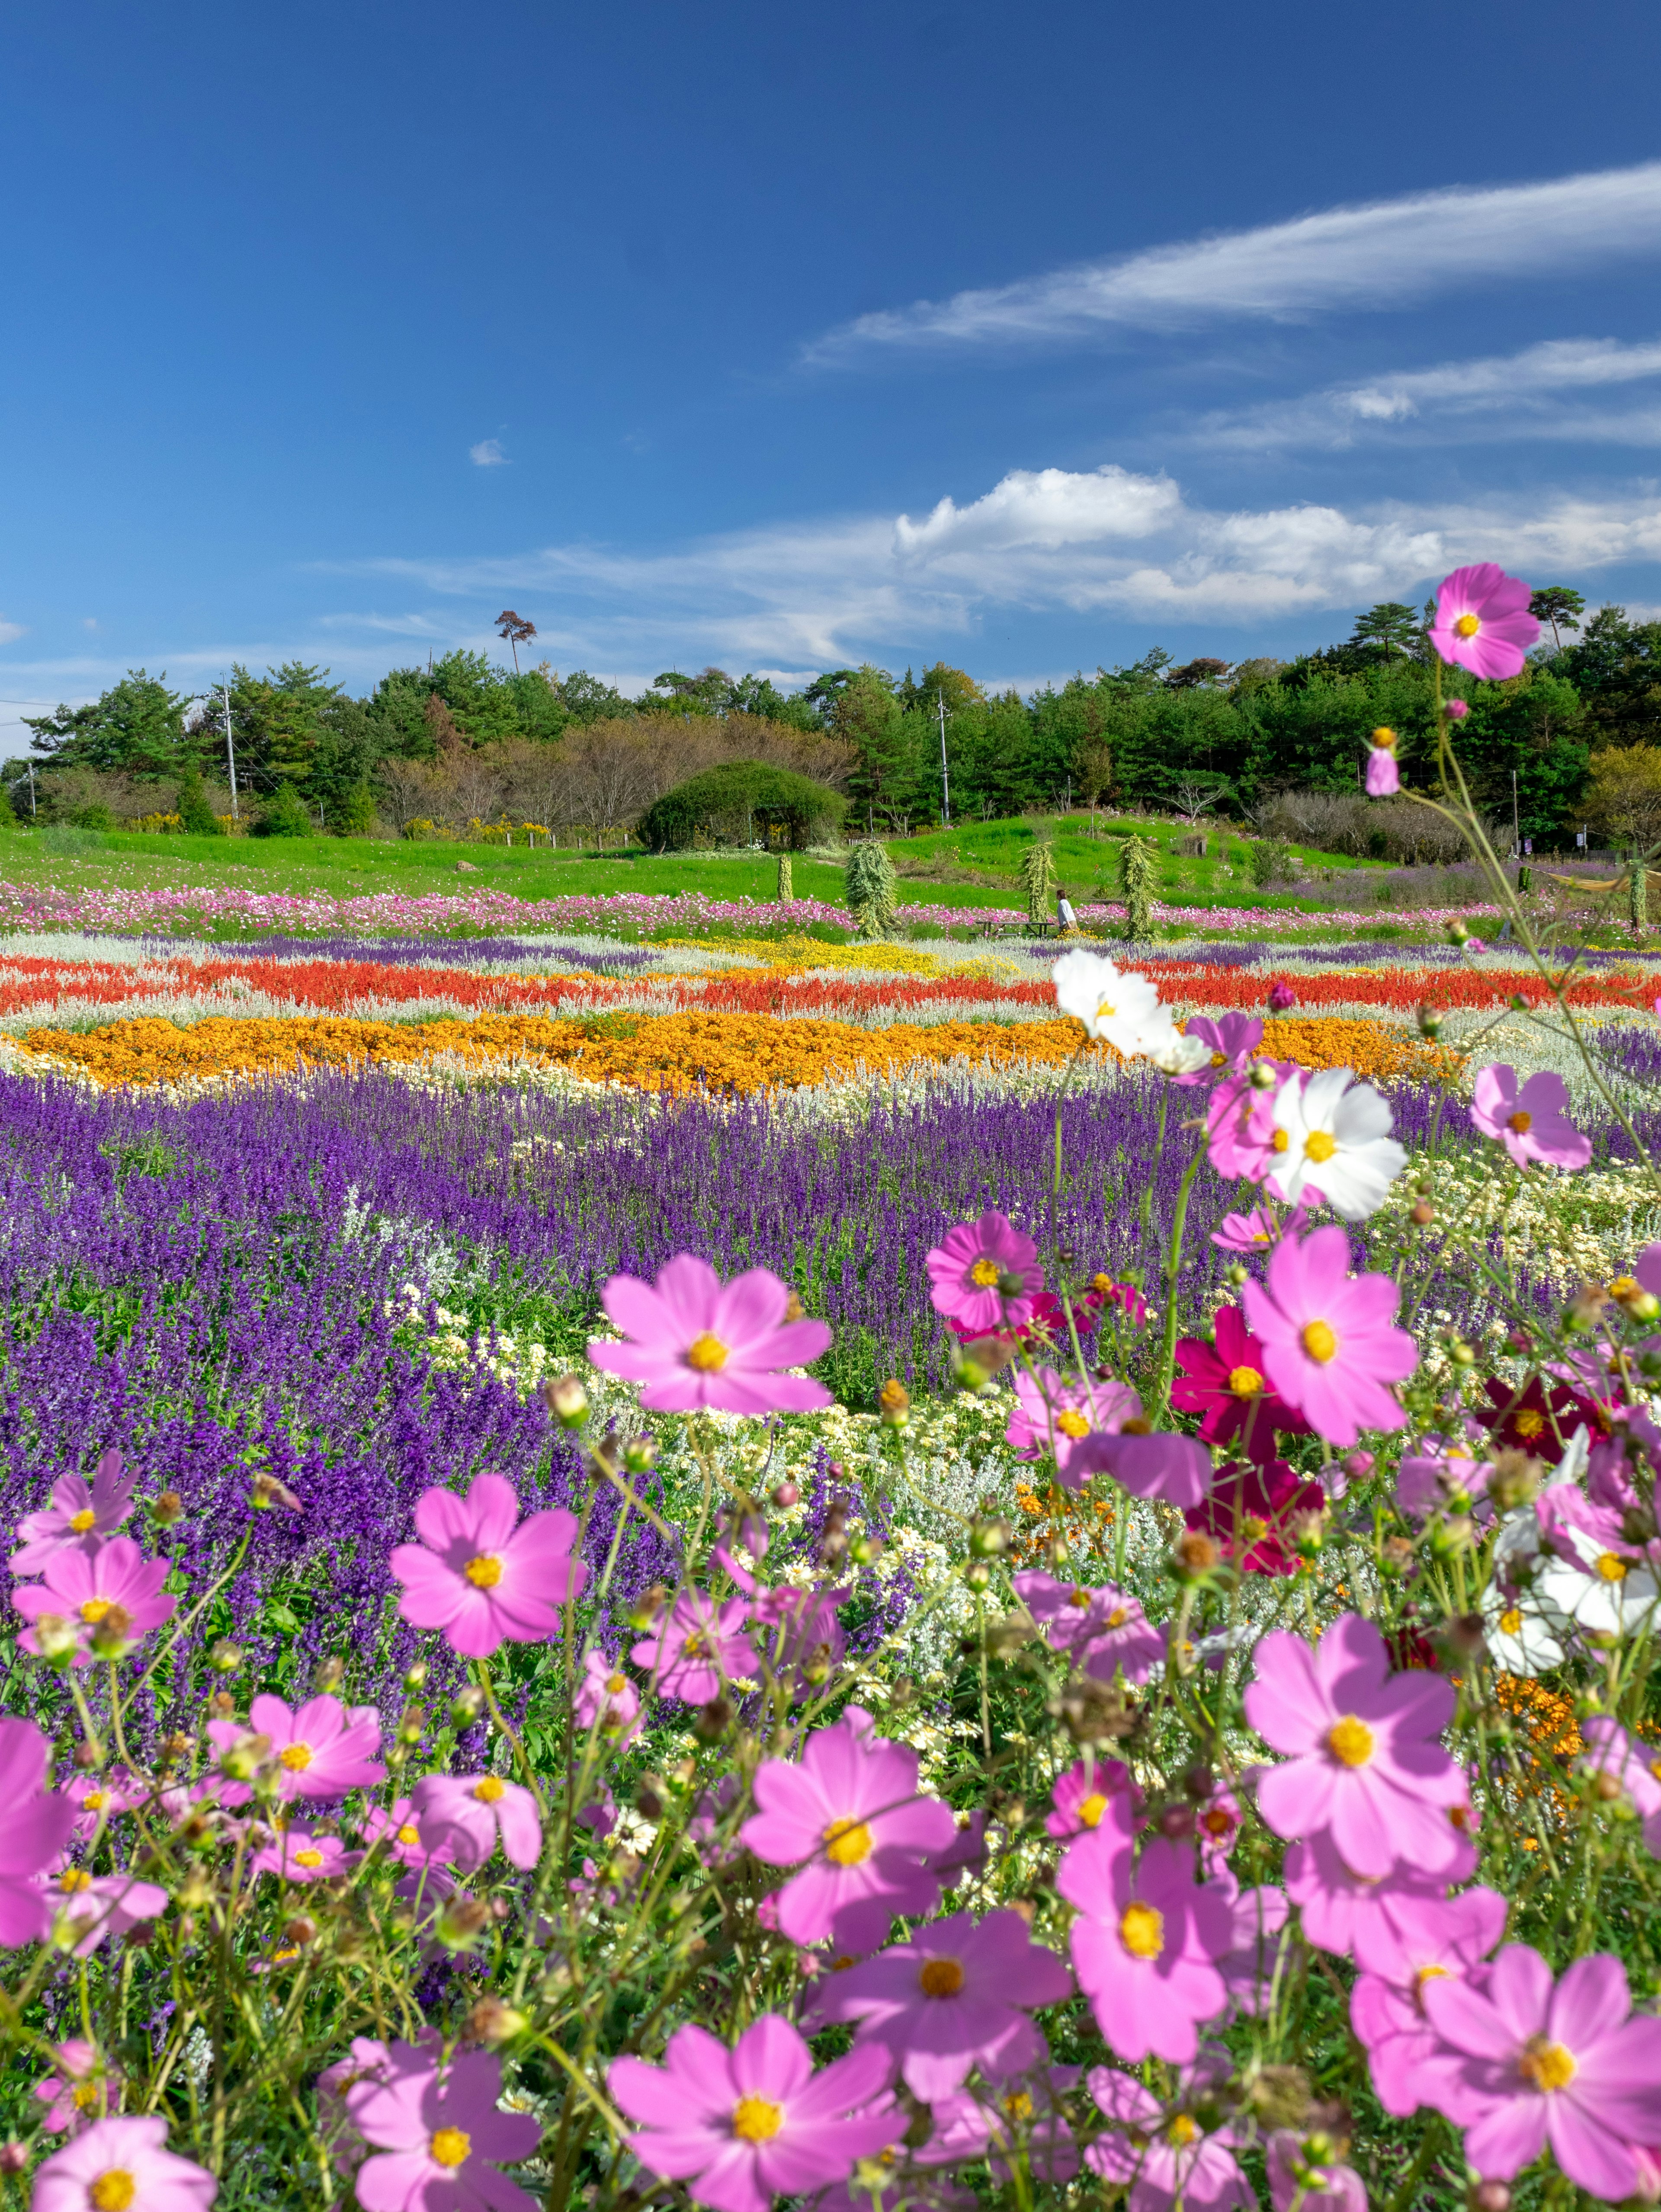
{"x":781,"y":336}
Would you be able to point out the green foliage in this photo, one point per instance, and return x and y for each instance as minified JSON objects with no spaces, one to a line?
{"x":1557,"y":604}
{"x":1270,"y":856}
{"x":8,"y":812}
{"x":196,"y":818}
{"x":283,"y":815}
{"x":871,"y":889}
{"x":736,"y":802}
{"x":1137,"y":876}
{"x":353,"y":814}
{"x":1038,"y":877}
{"x":137,"y":726}
{"x":1615,"y":667}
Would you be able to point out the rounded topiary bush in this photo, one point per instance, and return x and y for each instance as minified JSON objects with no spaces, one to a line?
{"x":731,"y":803}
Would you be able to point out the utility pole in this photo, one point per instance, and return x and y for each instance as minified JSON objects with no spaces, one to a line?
{"x":31,"y":791}
{"x":1516,"y":825}
{"x":946,"y":788}
{"x":230,"y":745}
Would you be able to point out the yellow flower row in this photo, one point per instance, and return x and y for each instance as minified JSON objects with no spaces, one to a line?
{"x":655,"y":1052}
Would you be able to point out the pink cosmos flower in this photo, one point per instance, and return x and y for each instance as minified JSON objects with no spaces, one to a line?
{"x":1335,"y":1905}
{"x":1083,"y":1798}
{"x":1217,"y":1826}
{"x":368,"y":2059}
{"x":1071,"y":1419}
{"x":952,"y":1997}
{"x":463,"y":1814}
{"x":1567,"y":2066}
{"x":101,"y":1797}
{"x":439,"y":2140}
{"x":1384,"y":774}
{"x":849,"y":1814}
{"x":985,"y":1274}
{"x":1067,"y":1613}
{"x":745,"y":2126}
{"x":112,"y":1595}
{"x":697,"y":1648}
{"x":606,"y":1698}
{"x":1253,"y":1961}
{"x":484,"y":1575}
{"x":84,"y":2089}
{"x":1531,"y":1123}
{"x":1252,"y":1513}
{"x":1409,"y":1941}
{"x":1362,"y":1756}
{"x":1146,"y":1942}
{"x":37,"y":1826}
{"x":397,"y":1828}
{"x":1225,"y":1382}
{"x":989,"y":2123}
{"x":322,"y":1748}
{"x":805,"y":1641}
{"x":95,"y":1905}
{"x":1483,"y":620}
{"x":1330,"y":1345}
{"x":1240,"y":1121}
{"x":1124,"y":1640}
{"x":1165,"y":2157}
{"x":296,"y":1853}
{"x":1258,"y":1231}
{"x":1634,"y":1765}
{"x":1234,"y":1038}
{"x":1155,"y":1464}
{"x":691,"y":1340}
{"x":79,"y":1514}
{"x":121,"y":2162}
{"x":1303,"y":2171}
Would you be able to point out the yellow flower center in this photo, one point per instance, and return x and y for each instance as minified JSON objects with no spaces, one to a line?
{"x":1546,"y":2064}
{"x":1279,"y":1142}
{"x":1350,"y":1741}
{"x":1510,"y":1620}
{"x":984,"y":1275}
{"x":1141,"y":1931}
{"x":409,"y":1833}
{"x":1427,"y":1974}
{"x":450,"y":2147}
{"x":114,"y":2191}
{"x":1091,"y":1809}
{"x":706,"y":1354}
{"x":1018,"y":2106}
{"x":1118,"y":1618}
{"x":940,"y":1977}
{"x":1319,"y":1145}
{"x":1320,"y":1340}
{"x":484,"y":1572}
{"x":1217,"y":1821}
{"x":695,"y":1646}
{"x":1181,"y":2131}
{"x":73,"y":1878}
{"x":1079,"y":1596}
{"x":1384,"y":736}
{"x":1467,"y":626}
{"x":848,"y":1843}
{"x":1072,"y":1425}
{"x":757,"y":2119}
{"x":96,"y":1607}
{"x":1611,"y":1568}
{"x":1137,"y":1425}
{"x":1529,"y":1423}
{"x":93,"y":1801}
{"x":616,"y":1685}
{"x":489,"y":1788}
{"x":1245,"y":1381}
{"x":1105,"y":1009}
{"x":84,"y":2097}
{"x":309,"y":1857}
{"x":1522,"y":1121}
{"x":297,"y":1757}
{"x":82,"y":1520}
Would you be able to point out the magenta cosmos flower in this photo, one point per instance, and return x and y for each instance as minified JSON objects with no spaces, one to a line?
{"x":1306,"y":2172}
{"x":1483,"y":620}
{"x":322,"y":1748}
{"x":1124,"y":1640}
{"x":950,"y":1998}
{"x":691,"y":1340}
{"x":1636,"y":1766}
{"x":1231,"y":1040}
{"x":745,"y":2126}
{"x":605,"y":1699}
{"x":1336,"y":1905}
{"x":1532,"y":1123}
{"x":1067,"y":1613}
{"x":37,"y":1826}
{"x":849,"y":1812}
{"x":1252,"y":1513}
{"x":1409,"y":1941}
{"x":985,"y":1274}
{"x":1330,"y":1345}
{"x":109,"y":1598}
{"x":1146,"y":1942}
{"x":79,"y":1513}
{"x":90,"y":1906}
{"x":296,"y":1854}
{"x":1084,"y":1799}
{"x":1165,"y":2156}
{"x":461,"y":1815}
{"x":397,"y":1829}
{"x":1384,"y":773}
{"x":1362,"y":1758}
{"x":1567,"y":2066}
{"x":482,"y":1575}
{"x":83,"y":2090}
{"x":1225,"y":1383}
{"x":116,"y":2164}
{"x":698,"y":1647}
{"x":1071,"y":1419}
{"x":439,"y":2141}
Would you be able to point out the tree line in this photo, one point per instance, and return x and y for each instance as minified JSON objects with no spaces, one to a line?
{"x":464,"y":738}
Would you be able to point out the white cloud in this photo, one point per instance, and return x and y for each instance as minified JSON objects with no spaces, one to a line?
{"x":488,"y":454}
{"x":1375,"y":255}
{"x":1502,"y":395}
{"x":1104,"y":541}
{"x":9,"y":630}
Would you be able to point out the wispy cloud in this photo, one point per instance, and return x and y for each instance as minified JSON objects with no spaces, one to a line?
{"x":488,"y":454}
{"x":9,"y":630}
{"x":1377,"y":254}
{"x":1521,"y":395}
{"x":1107,"y":541}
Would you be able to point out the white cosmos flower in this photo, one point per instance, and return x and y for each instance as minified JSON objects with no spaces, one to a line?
{"x":1332,"y":1135}
{"x":1170,"y":1051}
{"x":1521,"y":1638}
{"x":1608,"y":1594}
{"x":1111,"y":1003}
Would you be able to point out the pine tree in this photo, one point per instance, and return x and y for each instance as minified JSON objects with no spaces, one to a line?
{"x":871,"y":889}
{"x":196,"y":818}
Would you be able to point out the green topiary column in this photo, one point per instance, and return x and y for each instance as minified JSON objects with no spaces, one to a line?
{"x":787,"y":888}
{"x":871,"y":889}
{"x":1136,"y":867}
{"x":1038,"y":878}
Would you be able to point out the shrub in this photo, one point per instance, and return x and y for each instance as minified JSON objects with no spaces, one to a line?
{"x":731,"y":803}
{"x":283,"y":815}
{"x":196,"y":818}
